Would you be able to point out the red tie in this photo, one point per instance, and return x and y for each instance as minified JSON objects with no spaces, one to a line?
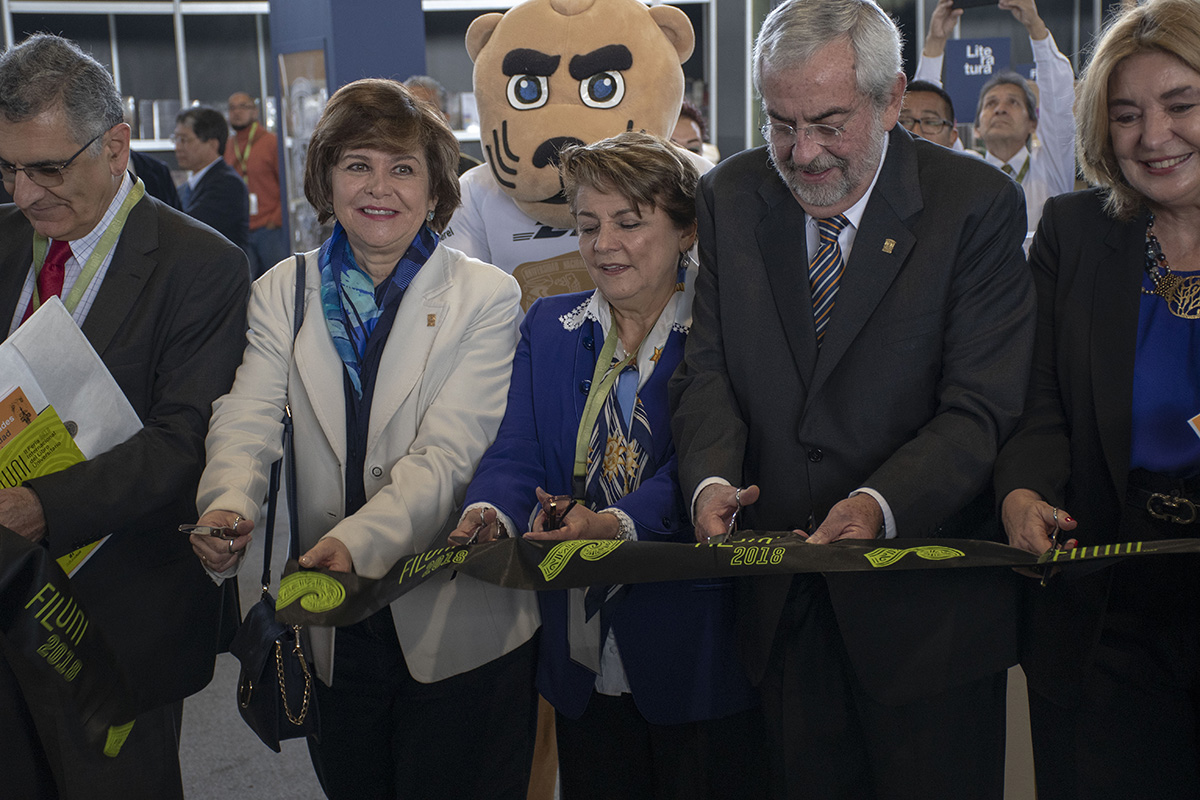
{"x":50,"y":277}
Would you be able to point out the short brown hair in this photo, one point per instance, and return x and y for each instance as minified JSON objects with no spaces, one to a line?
{"x":1159,"y":26}
{"x":643,"y":168}
{"x":382,"y":115}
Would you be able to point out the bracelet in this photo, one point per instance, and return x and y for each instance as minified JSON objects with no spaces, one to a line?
{"x":627,"y":531}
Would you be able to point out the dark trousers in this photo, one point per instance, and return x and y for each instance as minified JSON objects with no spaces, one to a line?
{"x":612,"y":751}
{"x":265,"y":247}
{"x":386,"y":735}
{"x":828,"y":740}
{"x":1134,"y":733}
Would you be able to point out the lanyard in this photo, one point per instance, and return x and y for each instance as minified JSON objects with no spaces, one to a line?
{"x":108,"y":240}
{"x":1024,"y":170}
{"x":243,"y":158}
{"x":603,"y":378}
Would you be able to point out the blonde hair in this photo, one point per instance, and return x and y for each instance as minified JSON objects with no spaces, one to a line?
{"x":1159,"y":26}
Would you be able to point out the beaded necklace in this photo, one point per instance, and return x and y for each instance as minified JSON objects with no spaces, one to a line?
{"x":1182,"y":295}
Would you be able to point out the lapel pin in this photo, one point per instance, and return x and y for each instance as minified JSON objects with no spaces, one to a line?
{"x":431,"y":320}
{"x":889,"y":245}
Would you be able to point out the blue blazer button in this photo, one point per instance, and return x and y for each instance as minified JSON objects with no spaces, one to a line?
{"x":585,"y":386}
{"x":588,"y":343}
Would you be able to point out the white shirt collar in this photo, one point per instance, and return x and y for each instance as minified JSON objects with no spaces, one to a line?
{"x":1016,"y":162}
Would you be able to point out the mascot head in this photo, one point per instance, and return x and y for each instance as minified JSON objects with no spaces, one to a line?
{"x":554,"y":72}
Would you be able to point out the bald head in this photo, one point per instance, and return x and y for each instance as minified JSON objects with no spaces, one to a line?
{"x":242,"y":111}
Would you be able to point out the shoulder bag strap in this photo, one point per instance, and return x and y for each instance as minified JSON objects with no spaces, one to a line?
{"x":288,"y":455}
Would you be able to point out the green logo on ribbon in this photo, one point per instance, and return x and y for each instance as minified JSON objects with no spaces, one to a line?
{"x":886,"y":556}
{"x":589,"y":550}
{"x":316,"y":592}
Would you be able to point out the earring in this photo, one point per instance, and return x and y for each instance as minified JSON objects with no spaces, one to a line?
{"x":429,"y":217}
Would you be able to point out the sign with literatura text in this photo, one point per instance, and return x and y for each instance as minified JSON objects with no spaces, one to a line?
{"x":968,"y":65}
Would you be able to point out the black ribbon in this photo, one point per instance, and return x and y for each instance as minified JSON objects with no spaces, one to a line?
{"x":48,"y":632}
{"x":321,"y":597}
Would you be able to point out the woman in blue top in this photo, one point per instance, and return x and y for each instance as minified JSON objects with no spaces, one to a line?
{"x":650,"y":699}
{"x":1109,"y":447}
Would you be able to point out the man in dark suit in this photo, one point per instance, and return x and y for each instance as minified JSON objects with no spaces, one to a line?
{"x":214,"y":193}
{"x":860,"y":346}
{"x":157,"y":177}
{"x":163,"y":302}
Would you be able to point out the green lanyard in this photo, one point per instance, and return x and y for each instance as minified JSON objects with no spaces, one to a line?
{"x":1024,"y":170}
{"x":602,"y":384}
{"x":108,"y":240}
{"x":243,"y":158}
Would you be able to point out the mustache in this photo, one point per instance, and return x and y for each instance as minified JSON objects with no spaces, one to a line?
{"x":821,"y":163}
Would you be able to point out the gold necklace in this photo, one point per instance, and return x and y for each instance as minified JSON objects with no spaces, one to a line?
{"x":1182,"y":295}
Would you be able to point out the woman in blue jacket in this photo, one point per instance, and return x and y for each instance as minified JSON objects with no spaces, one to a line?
{"x":650,"y":698}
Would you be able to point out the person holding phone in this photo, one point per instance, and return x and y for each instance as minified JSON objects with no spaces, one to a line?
{"x":1009,"y":113}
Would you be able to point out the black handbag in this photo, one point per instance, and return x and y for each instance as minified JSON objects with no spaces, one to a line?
{"x":276,"y":693}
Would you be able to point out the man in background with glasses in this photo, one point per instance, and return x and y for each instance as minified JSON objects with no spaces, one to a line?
{"x":1009,"y":114}
{"x":162,"y":299}
{"x":861,"y":340}
{"x":214,"y":192}
{"x":928,"y":112}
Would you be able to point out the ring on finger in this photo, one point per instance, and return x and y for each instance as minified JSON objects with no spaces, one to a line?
{"x":237,"y":521}
{"x":1056,"y":517}
{"x":231,"y":547}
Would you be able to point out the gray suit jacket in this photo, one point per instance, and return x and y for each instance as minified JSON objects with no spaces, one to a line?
{"x":169,"y":322}
{"x":920,"y":378}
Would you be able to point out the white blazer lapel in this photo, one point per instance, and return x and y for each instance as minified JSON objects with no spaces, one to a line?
{"x":421,"y":314}
{"x":320,"y":368}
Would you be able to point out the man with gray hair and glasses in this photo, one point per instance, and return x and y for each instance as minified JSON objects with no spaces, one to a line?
{"x":860,"y":346}
{"x":162,"y":299}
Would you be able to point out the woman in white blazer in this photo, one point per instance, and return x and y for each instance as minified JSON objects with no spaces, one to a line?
{"x":397,"y":382}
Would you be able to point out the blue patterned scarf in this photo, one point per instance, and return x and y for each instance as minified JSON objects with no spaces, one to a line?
{"x":348,"y":294}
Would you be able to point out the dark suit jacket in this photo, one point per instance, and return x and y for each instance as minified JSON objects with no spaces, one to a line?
{"x":676,"y":638}
{"x":157,"y":177}
{"x":169,"y":322}
{"x":920,"y":377}
{"x":1073,"y":444}
{"x":221,"y":201}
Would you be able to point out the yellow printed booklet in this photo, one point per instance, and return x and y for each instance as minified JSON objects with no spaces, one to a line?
{"x":42,"y":447}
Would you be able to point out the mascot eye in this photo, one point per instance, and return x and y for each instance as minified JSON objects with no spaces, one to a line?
{"x":527,"y":91}
{"x":602,"y":90}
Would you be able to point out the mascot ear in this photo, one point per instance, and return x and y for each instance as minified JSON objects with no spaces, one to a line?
{"x":674,"y":24}
{"x":481,"y":30}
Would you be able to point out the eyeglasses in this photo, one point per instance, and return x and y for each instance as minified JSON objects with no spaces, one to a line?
{"x":47,"y":175}
{"x":930,"y":126}
{"x":780,"y":134}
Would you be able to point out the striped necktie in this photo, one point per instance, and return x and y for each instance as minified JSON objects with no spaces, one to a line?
{"x":825,"y":271}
